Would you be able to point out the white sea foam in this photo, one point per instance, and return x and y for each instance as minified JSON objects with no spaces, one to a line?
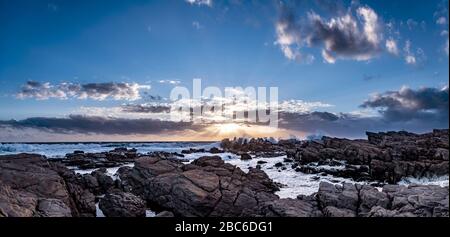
{"x":442,"y":181}
{"x":150,"y":213}
{"x":294,"y":183}
{"x":98,"y":211}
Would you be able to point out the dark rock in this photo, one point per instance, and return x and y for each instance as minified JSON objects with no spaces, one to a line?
{"x":120,"y":149}
{"x":122,"y":205}
{"x":278,"y":164}
{"x":165,"y":155}
{"x":246,"y":156}
{"x":35,"y":187}
{"x":350,"y":200}
{"x":386,"y":157}
{"x":53,"y":208}
{"x":257,"y":146}
{"x":287,"y":160}
{"x":104,"y":181}
{"x":193,"y":150}
{"x":114,"y":158}
{"x":15,"y":203}
{"x":206,"y":187}
{"x":215,"y":150}
{"x":289,"y":208}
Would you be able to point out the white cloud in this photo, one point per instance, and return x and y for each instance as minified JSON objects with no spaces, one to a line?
{"x":197,"y":25}
{"x":200,"y":2}
{"x":172,"y":82}
{"x":441,"y":20}
{"x":287,"y":37}
{"x":342,"y":37}
{"x":95,"y":91}
{"x":411,"y":57}
{"x":391,"y":46}
{"x":300,"y":106}
{"x":411,"y":24}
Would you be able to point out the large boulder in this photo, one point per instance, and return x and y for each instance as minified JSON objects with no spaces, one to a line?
{"x":206,"y":187}
{"x":53,"y":208}
{"x":16,"y":203}
{"x":36,"y":187}
{"x":33,"y":180}
{"x":122,"y":205}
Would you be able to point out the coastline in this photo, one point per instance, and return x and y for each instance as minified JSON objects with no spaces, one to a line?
{"x":268,"y":179}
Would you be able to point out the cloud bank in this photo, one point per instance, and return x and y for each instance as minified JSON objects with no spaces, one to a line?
{"x":95,"y":91}
{"x":415,"y":110}
{"x":427,"y":104}
{"x":99,"y":125}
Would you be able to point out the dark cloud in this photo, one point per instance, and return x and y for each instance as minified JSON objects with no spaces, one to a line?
{"x":345,"y":36}
{"x":353,"y":126}
{"x":100,"y":125}
{"x":96,"y":91}
{"x":145,"y":108}
{"x":406,"y":109}
{"x":407,"y":104}
{"x":412,"y":110}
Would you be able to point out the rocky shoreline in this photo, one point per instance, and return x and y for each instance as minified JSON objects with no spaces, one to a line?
{"x":33,"y":186}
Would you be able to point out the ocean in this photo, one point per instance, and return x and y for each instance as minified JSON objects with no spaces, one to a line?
{"x":59,"y":150}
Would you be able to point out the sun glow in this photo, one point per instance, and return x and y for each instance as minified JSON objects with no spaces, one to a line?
{"x":228,"y":128}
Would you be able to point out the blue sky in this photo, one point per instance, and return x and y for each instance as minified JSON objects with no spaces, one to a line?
{"x":225,"y":43}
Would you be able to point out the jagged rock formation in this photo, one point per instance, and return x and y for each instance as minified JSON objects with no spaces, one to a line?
{"x":31,"y":186}
{"x":121,"y":204}
{"x":206,"y":187}
{"x":113,"y":158}
{"x":386,"y":157}
{"x":255,"y":146}
{"x":351,"y":200}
